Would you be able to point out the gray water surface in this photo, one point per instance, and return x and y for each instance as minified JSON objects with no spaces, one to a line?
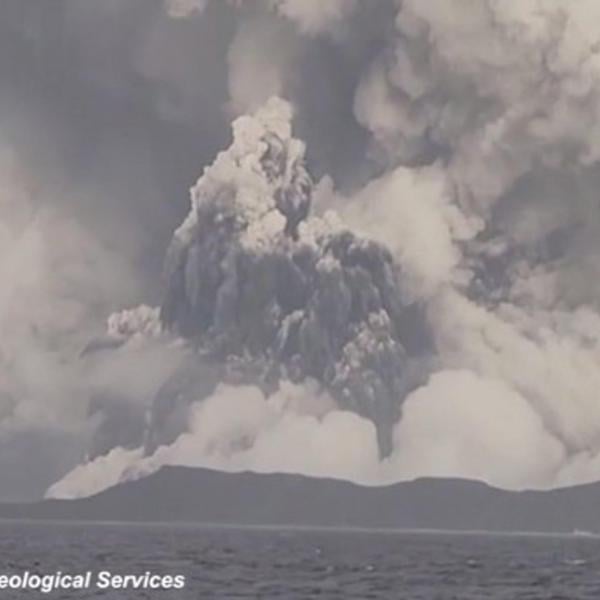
{"x":300,"y":564}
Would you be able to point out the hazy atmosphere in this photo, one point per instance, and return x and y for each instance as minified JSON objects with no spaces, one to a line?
{"x":352,"y":239}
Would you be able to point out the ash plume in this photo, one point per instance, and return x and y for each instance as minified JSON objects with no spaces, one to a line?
{"x":254,"y":280}
{"x":409,"y":290}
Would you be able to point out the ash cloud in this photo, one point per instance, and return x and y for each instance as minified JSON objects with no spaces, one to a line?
{"x":455,"y":142}
{"x":251,"y":275}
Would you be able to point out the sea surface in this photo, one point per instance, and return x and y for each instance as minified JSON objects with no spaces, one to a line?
{"x":300,"y":564}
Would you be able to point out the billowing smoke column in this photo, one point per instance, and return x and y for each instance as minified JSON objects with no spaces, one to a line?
{"x":256,"y":281}
{"x":461,"y":136}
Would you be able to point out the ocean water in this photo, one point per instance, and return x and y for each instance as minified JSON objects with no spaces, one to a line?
{"x":301,"y":564}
